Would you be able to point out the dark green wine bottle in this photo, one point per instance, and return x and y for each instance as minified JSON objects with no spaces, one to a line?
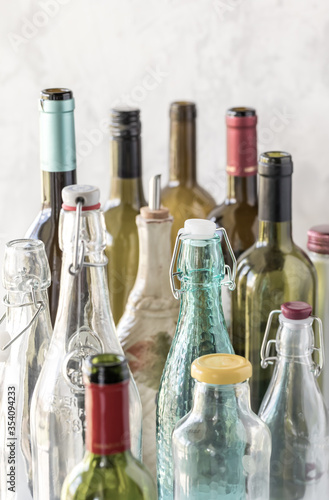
{"x":273,"y":271}
{"x":108,"y":471}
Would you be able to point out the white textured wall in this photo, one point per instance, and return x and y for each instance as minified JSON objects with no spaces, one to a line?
{"x":273,"y":55}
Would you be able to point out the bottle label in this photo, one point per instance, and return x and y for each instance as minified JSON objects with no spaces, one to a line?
{"x":241,"y":146}
{"x":107,"y":412}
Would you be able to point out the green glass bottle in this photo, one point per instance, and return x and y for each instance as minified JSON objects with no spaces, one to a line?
{"x":126,"y":200}
{"x":273,"y":271}
{"x":108,"y":471}
{"x":183,"y":195}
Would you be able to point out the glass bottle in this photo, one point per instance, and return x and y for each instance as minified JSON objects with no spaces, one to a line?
{"x":221,"y":448}
{"x":238,"y":212}
{"x":148,"y":325}
{"x":318,"y":246}
{"x":200,"y":330}
{"x":26,"y":278}
{"x":108,"y":470}
{"x":58,"y":169}
{"x":126,"y":200}
{"x":272,"y":271}
{"x":84,"y":326}
{"x":293,"y":407}
{"x":183,"y":196}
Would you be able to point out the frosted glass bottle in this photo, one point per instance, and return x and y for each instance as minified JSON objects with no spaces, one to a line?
{"x":26,"y":279}
{"x":318,"y":246}
{"x":148,"y":325}
{"x":83,"y":327}
{"x":221,"y":448}
{"x":294,"y":409}
{"x":200,"y":330}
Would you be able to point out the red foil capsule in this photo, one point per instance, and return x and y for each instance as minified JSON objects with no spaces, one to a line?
{"x":241,"y":142}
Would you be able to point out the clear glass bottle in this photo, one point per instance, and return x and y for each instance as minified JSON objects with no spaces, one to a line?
{"x":293,"y":407}
{"x":238,"y":212}
{"x":221,"y":448}
{"x":318,"y":246}
{"x":126,"y":200}
{"x":58,"y":168}
{"x":148,"y":325}
{"x":83,"y":327}
{"x":183,"y":196}
{"x":274,"y":270}
{"x":108,"y":470}
{"x":26,"y":279}
{"x":200,"y":330}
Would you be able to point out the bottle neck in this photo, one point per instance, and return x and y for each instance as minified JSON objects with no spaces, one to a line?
{"x":216,"y":400}
{"x":154,"y":257}
{"x":295,"y":340}
{"x":52,"y":185}
{"x":242,"y":190}
{"x":107,"y":415}
{"x":274,"y":211}
{"x":183,"y":152}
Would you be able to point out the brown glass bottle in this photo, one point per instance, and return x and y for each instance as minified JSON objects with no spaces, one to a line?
{"x":58,"y":170}
{"x":238,"y":213}
{"x":126,"y":200}
{"x":184,"y":198}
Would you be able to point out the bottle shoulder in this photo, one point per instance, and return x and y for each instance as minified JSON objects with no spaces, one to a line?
{"x":115,"y":476}
{"x":183,"y":193}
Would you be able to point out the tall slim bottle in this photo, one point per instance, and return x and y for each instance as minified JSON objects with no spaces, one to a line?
{"x":126,"y":200}
{"x":200,"y":330}
{"x":273,"y":271}
{"x":108,"y":470}
{"x":183,"y":195}
{"x":26,"y":278}
{"x":58,"y":169}
{"x":84,"y":327}
{"x":148,"y":325}
{"x":238,"y":212}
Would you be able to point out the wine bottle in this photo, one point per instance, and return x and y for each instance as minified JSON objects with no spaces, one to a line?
{"x":273,"y":271}
{"x":108,"y":471}
{"x":183,"y":196}
{"x":238,"y":212}
{"x":148,"y":325}
{"x":126,"y":200}
{"x":83,"y":327}
{"x":58,"y":169}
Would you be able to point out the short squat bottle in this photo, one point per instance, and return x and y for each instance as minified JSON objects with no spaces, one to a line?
{"x":221,"y":448}
{"x":200,"y":330}
{"x":26,"y":279}
{"x":83,"y":327}
{"x":294,"y":409}
{"x":108,"y":470}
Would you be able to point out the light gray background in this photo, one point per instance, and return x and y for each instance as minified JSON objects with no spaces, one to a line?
{"x":271,"y":54}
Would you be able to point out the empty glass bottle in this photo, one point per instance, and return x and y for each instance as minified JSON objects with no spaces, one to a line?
{"x":294,"y":409}
{"x":200,"y":330}
{"x":26,"y":278}
{"x":108,"y":470}
{"x":221,"y":448}
{"x":83,"y":327}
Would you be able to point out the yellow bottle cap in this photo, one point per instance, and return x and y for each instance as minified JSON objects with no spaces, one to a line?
{"x":221,"y":369}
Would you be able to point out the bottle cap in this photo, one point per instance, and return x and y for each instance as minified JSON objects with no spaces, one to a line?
{"x":25,"y":266}
{"x":221,"y":369}
{"x":318,"y":239}
{"x":200,"y":228}
{"x":56,"y":94}
{"x":183,"y":111}
{"x":296,"y":310}
{"x":89,"y":195}
{"x":106,"y":368}
{"x":275,"y":163}
{"x":241,"y":139}
{"x":125,"y":122}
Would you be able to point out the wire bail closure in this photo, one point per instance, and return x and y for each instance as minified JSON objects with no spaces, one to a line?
{"x":267,"y":359}
{"x":39,"y":304}
{"x":80,"y":246}
{"x":229,"y":274}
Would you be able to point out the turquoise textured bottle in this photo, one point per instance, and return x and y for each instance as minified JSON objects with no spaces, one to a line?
{"x":201,"y":330}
